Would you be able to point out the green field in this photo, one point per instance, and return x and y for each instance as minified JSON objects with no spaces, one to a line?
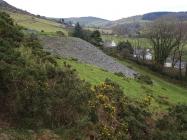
{"x":38,"y":24}
{"x":143,"y":42}
{"x":105,"y":31}
{"x":132,"y":88}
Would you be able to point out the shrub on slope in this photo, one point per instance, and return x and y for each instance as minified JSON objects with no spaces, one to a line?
{"x":34,"y":91}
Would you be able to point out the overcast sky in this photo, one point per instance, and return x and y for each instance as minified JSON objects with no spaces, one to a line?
{"x":108,"y":9}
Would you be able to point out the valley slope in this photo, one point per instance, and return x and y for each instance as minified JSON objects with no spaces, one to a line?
{"x":161,"y":88}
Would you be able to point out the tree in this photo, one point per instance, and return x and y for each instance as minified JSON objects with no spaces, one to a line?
{"x":62,"y":21}
{"x":78,"y":32}
{"x":186,"y":71}
{"x":182,"y":29}
{"x":164,"y":36}
{"x":125,"y":48}
{"x":137,"y":44}
{"x":96,"y":38}
{"x":179,"y":50}
{"x":139,"y":50}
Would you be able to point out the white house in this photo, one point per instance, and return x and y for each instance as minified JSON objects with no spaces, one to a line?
{"x":140,"y":52}
{"x":110,"y":44}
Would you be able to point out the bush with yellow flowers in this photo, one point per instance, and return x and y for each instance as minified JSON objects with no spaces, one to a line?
{"x":105,"y":132}
{"x":108,"y":96}
{"x":102,"y":99}
{"x":147,"y":100}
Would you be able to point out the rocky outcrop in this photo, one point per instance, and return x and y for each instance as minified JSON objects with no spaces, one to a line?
{"x":70,"y":47}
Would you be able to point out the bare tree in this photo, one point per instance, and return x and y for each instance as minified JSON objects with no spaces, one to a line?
{"x":179,"y":50}
{"x":164,"y":36}
{"x":173,"y":57}
{"x":136,"y":46}
{"x":183,"y":32}
{"x":139,"y":48}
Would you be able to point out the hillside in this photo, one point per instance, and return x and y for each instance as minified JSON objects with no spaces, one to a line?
{"x":88,"y":21}
{"x":31,"y":21}
{"x":7,"y":7}
{"x":156,"y":15}
{"x":98,"y":22}
{"x":161,"y":90}
{"x":148,"y":17}
{"x":37,"y":24}
{"x":94,"y":67}
{"x":141,"y":19}
{"x":83,"y":51}
{"x":126,"y":21}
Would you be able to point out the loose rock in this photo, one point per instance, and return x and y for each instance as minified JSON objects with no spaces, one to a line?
{"x":70,"y":47}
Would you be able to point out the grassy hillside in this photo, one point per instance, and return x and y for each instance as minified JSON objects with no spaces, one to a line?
{"x":31,"y":21}
{"x":38,"y":24}
{"x":160,"y":90}
{"x":102,"y":30}
{"x":88,"y":21}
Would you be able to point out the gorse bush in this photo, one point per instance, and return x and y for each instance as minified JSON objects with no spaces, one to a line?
{"x":172,"y":126}
{"x":120,"y":74}
{"x":144,"y":79}
{"x":116,"y":116}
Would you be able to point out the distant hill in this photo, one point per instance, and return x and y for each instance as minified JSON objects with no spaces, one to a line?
{"x":88,"y":21}
{"x":156,"y":15}
{"x":141,"y":19}
{"x":132,"y":19}
{"x":103,"y":23}
{"x":133,"y":24}
{"x":128,"y":20}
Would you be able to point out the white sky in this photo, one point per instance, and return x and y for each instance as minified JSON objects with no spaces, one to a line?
{"x":108,"y":9}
